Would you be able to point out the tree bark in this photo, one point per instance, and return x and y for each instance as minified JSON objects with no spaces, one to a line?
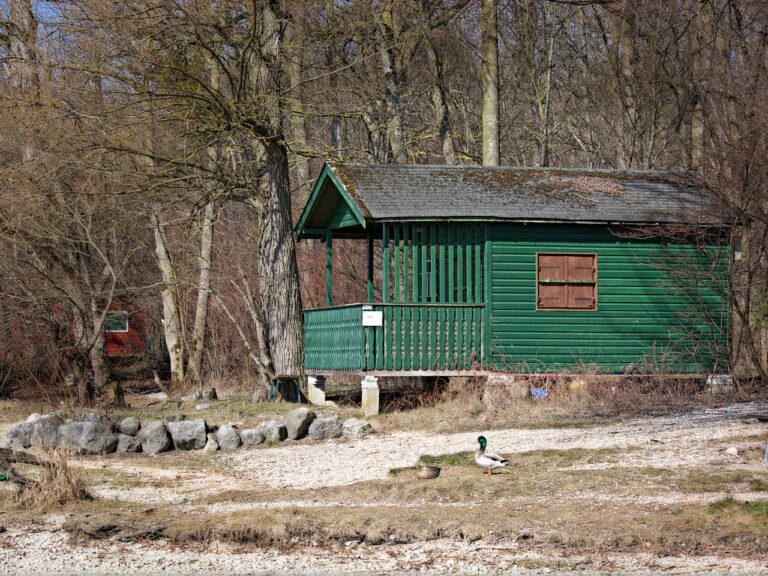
{"x":442,"y":116}
{"x":172,"y":323}
{"x":395,"y":133}
{"x":295,"y":104}
{"x":278,"y":273}
{"x":203,"y":295}
{"x":547,"y":99}
{"x":490,"y":81}
{"x":22,"y":49}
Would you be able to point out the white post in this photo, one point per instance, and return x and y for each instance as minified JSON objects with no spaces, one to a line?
{"x":316,"y":389}
{"x":370,"y":401}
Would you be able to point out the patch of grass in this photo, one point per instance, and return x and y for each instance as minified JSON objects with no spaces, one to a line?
{"x":730,"y":505}
{"x":758,"y":485}
{"x":717,"y":480}
{"x":457,"y":459}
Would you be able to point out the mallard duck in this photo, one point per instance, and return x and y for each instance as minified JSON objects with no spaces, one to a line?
{"x":488,"y":460}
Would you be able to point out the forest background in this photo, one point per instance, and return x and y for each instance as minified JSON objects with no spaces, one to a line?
{"x":155,"y":153}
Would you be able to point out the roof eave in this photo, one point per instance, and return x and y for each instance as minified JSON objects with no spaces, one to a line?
{"x":325,"y":174}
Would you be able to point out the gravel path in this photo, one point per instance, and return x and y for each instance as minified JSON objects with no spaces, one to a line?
{"x":680,"y":440}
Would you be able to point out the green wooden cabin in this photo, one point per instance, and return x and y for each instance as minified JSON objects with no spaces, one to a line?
{"x":475,"y":269}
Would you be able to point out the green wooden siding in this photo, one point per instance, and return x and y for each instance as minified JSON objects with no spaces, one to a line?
{"x":342,"y":216}
{"x":659,"y":306}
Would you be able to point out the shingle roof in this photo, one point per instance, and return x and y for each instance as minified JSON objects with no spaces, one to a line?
{"x":403,"y":192}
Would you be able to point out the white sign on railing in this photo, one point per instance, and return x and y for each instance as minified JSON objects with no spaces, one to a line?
{"x":373,"y":318}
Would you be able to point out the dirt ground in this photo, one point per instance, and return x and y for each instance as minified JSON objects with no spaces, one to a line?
{"x":664,"y":494}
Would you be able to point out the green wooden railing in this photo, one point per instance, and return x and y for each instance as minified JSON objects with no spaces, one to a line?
{"x":412,"y":337}
{"x":334,"y":338}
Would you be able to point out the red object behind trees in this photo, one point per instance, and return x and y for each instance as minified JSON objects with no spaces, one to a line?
{"x":125,"y":332}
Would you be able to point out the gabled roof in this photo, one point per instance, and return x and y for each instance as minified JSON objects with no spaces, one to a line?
{"x":390,"y":192}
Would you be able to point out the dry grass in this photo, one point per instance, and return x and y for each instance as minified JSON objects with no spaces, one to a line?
{"x":56,"y":484}
{"x":573,"y":401}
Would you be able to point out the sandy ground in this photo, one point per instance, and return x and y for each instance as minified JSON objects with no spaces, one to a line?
{"x":690,"y":440}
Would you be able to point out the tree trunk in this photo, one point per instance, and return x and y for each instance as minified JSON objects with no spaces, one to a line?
{"x":77,"y":361}
{"x":547,"y":99}
{"x":172,"y":324}
{"x":278,"y":273}
{"x":490,"y":81}
{"x":395,"y":132}
{"x":22,"y":50}
{"x":442,"y":117}
{"x":203,"y":295}
{"x":624,"y":54}
{"x":295,"y":103}
{"x":96,"y":353}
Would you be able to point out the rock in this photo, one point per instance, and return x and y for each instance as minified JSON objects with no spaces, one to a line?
{"x":720,"y":383}
{"x":525,"y":535}
{"x":20,"y":435}
{"x":129,"y":426}
{"x":273,"y":430}
{"x":354,"y":428}
{"x":154,"y":437}
{"x":732,"y":451}
{"x":157,"y":396}
{"x":127,"y":443}
{"x":45,"y":431}
{"x":96,"y":418}
{"x":297,"y":422}
{"x":87,"y":437}
{"x":202,"y":406}
{"x":210,"y":394}
{"x":188,"y":434}
{"x":194,"y":396}
{"x":211,"y":445}
{"x":34,"y":417}
{"x":325,"y":428}
{"x":251,"y":437}
{"x":228,"y":438}
{"x":174,"y":418}
{"x":505,"y":390}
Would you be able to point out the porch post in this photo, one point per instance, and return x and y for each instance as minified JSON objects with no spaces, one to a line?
{"x":328,"y":267}
{"x":370,"y":266}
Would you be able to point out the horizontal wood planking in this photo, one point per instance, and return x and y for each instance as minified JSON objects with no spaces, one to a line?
{"x":642,"y":306}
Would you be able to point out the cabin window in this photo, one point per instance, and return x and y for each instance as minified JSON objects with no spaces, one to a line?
{"x":566,"y":281}
{"x":116,"y":322}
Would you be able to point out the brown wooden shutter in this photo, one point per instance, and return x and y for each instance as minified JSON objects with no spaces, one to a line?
{"x":553,"y":296}
{"x":553,"y":267}
{"x":581,"y":296}
{"x":581,"y":267}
